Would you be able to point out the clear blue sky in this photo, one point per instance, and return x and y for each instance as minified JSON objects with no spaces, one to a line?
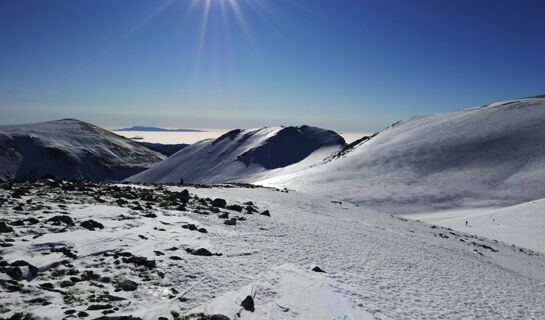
{"x":348,"y":65}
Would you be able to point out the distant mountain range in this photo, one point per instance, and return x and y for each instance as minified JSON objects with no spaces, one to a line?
{"x":156,"y":129}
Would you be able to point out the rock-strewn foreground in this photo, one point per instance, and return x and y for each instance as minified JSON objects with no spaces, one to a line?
{"x":119,"y":251}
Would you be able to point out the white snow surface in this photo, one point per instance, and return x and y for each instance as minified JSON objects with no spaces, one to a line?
{"x":377,"y":266}
{"x":70,"y":149}
{"x":245,"y":155}
{"x":522,"y":224}
{"x":482,"y":157}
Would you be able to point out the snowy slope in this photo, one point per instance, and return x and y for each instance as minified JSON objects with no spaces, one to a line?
{"x":140,"y":261}
{"x":243,"y":155}
{"x":70,"y":149}
{"x":489,"y":156}
{"x":522,"y":224}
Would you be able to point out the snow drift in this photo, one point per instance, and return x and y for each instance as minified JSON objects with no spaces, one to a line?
{"x":70,"y":149}
{"x":488,"y":156}
{"x":243,"y":155}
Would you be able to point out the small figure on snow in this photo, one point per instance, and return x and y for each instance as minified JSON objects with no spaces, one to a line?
{"x":466,"y":223}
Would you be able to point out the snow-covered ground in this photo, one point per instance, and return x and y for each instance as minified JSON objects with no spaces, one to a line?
{"x":482,"y":157}
{"x":522,"y":224}
{"x":71,"y":149}
{"x":376,"y":265}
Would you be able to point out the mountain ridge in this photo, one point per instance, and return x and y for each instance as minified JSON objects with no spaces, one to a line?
{"x":71,"y":149}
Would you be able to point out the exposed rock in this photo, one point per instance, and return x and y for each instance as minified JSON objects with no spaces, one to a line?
{"x":234,"y":207}
{"x":92,"y":225}
{"x":100,"y":307}
{"x":248,"y":303}
{"x":224,"y":215}
{"x":250,"y":210}
{"x":66,"y":283}
{"x":4,"y":228}
{"x":230,"y":222}
{"x":266,"y":213}
{"x":128,"y":285}
{"x":15,"y":273}
{"x":317,"y":269}
{"x":179,"y":196}
{"x":141,"y":261}
{"x":201,"y":252}
{"x":219,"y":203}
{"x":58,"y":220}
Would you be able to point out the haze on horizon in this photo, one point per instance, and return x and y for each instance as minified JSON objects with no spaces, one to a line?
{"x":343,"y":65}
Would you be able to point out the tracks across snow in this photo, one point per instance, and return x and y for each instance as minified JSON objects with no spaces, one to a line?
{"x":375,"y":265}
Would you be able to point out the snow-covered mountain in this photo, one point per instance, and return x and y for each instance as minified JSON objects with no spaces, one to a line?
{"x":488,"y":156}
{"x":70,"y":149}
{"x":245,"y":155}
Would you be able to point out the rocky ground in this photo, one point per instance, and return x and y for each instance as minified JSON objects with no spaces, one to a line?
{"x":74,"y":250}
{"x":94,"y":283}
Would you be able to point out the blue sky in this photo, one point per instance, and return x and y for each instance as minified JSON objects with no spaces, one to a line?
{"x":347,"y":65}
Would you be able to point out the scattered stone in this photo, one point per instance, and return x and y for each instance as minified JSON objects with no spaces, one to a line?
{"x":32,"y":221}
{"x":174,"y":258}
{"x":230,"y":222}
{"x":100,"y":307}
{"x":224,"y":216}
{"x":141,"y":261}
{"x":83,"y":314}
{"x":33,"y":270}
{"x":202,"y":230}
{"x":92,"y":225}
{"x":201,"y":252}
{"x":234,"y":207}
{"x":66,"y":283}
{"x":219,"y":203}
{"x":47,"y":286}
{"x":4,"y":228}
{"x":248,"y":303}
{"x":15,"y":273}
{"x":179,"y":196}
{"x":128,"y":285}
{"x":218,"y":317}
{"x":318,"y":269}
{"x":250,"y":210}
{"x":67,"y":252}
{"x":58,"y":220}
{"x":266,"y":213}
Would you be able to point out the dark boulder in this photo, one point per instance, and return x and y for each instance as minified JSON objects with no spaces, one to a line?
{"x":92,"y":225}
{"x":248,"y":303}
{"x":15,"y":273}
{"x":179,"y":196}
{"x":230,"y":222}
{"x":318,"y":269}
{"x":219,"y":203}
{"x":58,"y":220}
{"x":234,"y":207}
{"x":128,"y":285}
{"x":4,"y":228}
{"x":201,"y":252}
